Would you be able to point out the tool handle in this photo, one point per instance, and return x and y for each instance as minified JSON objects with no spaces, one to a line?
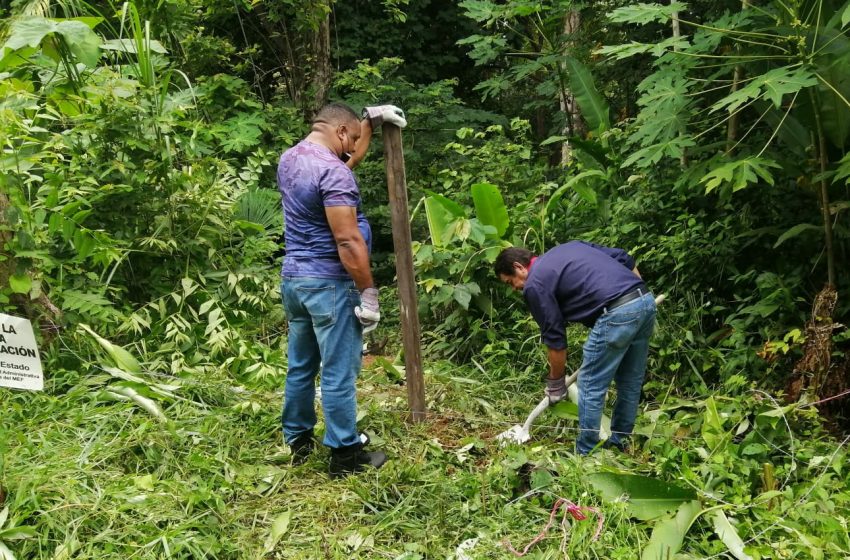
{"x":544,"y":404}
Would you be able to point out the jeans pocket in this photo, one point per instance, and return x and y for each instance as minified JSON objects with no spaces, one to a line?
{"x":319,"y":303}
{"x":621,"y":329}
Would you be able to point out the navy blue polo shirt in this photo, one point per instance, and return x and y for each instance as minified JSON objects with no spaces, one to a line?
{"x":572,"y":283}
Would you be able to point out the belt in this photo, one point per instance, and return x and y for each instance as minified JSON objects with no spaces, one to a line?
{"x":625,"y":298}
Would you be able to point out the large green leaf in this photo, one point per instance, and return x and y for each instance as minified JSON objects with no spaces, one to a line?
{"x":463,"y":293}
{"x":656,"y":49}
{"x":30,"y":32}
{"x":440,"y":213}
{"x":127,"y":393}
{"x":669,"y":533}
{"x":279,"y":528}
{"x":438,"y":220}
{"x":20,"y":284}
{"x":450,"y":205}
{"x":712,"y":425}
{"x":727,"y":533}
{"x":490,"y":207}
{"x":579,"y":183}
{"x":795,"y":231}
{"x":122,"y":358}
{"x":833,"y":96}
{"x":772,"y":86}
{"x":647,"y":497}
{"x":261,"y":207}
{"x":642,"y":13}
{"x":17,"y":533}
{"x":792,"y":133}
{"x":738,"y":174}
{"x":593,"y":106}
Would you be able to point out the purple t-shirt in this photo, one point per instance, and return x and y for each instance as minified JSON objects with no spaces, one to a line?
{"x":311,"y":177}
{"x":572,"y":283}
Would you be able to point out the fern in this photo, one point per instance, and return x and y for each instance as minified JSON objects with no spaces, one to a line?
{"x":90,"y":304}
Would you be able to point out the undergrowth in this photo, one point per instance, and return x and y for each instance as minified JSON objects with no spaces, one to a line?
{"x":84,"y":476}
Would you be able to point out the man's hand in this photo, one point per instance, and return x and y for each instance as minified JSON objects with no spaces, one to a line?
{"x":385,"y":114}
{"x":556,"y":389}
{"x":368,"y":312}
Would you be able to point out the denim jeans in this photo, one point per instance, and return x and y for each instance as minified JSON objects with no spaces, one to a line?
{"x":616,"y":349}
{"x":324,"y":334}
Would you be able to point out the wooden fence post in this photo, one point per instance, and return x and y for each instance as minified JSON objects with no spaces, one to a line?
{"x":397,"y":184}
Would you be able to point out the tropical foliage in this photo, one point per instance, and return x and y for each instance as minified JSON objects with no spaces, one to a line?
{"x":140,"y":231}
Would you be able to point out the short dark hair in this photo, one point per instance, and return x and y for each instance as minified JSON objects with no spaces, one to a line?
{"x":505,"y":261}
{"x":335,"y":114}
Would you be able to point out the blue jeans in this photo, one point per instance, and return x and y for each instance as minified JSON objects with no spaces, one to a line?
{"x":323,"y":333}
{"x":616,"y":349}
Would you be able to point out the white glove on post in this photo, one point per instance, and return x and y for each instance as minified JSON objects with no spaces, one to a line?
{"x":368,"y":312}
{"x":381,"y":114}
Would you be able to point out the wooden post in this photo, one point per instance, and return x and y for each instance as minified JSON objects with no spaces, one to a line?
{"x":397,"y":184}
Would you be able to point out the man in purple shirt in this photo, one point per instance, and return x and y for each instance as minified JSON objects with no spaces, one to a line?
{"x":601,"y":288}
{"x":328,"y":292}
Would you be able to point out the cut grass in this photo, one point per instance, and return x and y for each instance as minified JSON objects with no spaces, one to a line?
{"x":104,"y":479}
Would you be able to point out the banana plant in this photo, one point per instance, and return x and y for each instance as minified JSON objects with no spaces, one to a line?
{"x":463,"y":240}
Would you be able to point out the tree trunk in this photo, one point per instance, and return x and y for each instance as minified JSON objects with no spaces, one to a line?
{"x":320,"y":56}
{"x":278,"y":35}
{"x":822,"y":156}
{"x":674,"y":23}
{"x":573,"y":124}
{"x":303,"y":43}
{"x":737,"y":76}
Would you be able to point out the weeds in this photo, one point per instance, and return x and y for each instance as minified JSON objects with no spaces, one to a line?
{"x":99,"y":478}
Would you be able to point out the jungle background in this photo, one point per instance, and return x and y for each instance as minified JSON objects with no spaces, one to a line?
{"x":141,"y":234}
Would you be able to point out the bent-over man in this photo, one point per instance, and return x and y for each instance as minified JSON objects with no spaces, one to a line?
{"x":601,"y":288}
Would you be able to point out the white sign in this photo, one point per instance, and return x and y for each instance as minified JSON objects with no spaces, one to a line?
{"x":20,"y":364}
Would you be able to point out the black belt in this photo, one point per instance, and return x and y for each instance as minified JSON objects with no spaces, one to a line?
{"x":625,"y":298}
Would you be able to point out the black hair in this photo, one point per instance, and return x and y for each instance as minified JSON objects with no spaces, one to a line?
{"x":505,"y":261}
{"x":335,"y":114}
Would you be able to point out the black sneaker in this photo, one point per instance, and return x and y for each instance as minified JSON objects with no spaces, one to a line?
{"x":353,"y":459}
{"x":301,"y":447}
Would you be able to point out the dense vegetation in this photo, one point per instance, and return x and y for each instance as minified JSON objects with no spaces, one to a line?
{"x":140,"y":232}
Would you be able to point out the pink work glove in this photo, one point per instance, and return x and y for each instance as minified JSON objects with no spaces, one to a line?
{"x":368,"y":312}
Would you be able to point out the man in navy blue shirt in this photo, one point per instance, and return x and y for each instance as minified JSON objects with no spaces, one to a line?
{"x":601,"y":288}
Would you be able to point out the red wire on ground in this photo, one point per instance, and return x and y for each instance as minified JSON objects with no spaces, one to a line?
{"x":574,"y":510}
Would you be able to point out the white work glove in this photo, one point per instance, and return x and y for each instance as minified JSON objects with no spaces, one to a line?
{"x":385,"y":114}
{"x":368,"y":312}
{"x":556,"y":389}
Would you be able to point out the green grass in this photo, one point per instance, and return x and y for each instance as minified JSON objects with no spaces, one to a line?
{"x":103,"y":479}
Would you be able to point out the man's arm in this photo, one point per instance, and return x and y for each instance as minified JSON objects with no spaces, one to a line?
{"x":557,"y":363}
{"x":350,"y":244}
{"x":362,"y":145}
